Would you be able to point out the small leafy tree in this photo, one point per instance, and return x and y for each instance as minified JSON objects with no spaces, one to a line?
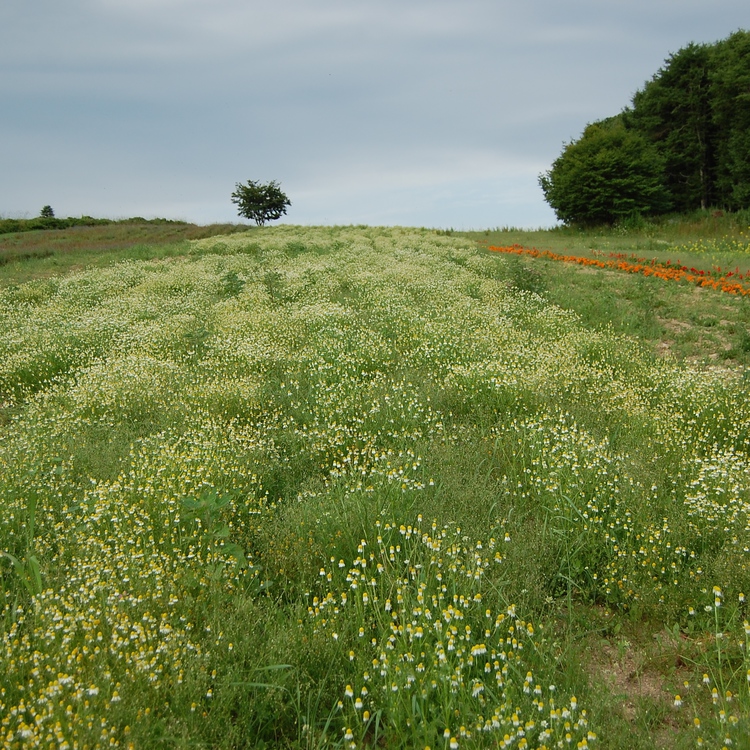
{"x":260,"y":202}
{"x":607,"y":175}
{"x":47,"y":212}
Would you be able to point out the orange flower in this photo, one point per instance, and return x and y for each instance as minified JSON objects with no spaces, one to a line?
{"x":665,"y":271}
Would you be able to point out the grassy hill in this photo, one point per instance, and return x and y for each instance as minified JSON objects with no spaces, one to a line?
{"x":351,"y":487}
{"x":32,"y":253}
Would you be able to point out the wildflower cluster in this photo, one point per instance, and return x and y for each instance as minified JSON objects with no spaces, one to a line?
{"x":725,"y":244}
{"x":437,"y":663}
{"x":622,"y":549}
{"x":720,"y":701}
{"x":729,"y":281}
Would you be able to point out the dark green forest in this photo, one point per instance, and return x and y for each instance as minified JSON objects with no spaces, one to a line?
{"x":683,"y":144}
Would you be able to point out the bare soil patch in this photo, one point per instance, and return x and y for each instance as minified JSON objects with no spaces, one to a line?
{"x":641,"y":678}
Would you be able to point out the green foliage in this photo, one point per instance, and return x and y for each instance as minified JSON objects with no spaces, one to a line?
{"x":12,"y":226}
{"x":48,"y":221}
{"x":731,"y":117}
{"x":27,"y":568}
{"x":695,"y":115}
{"x":47,"y":212}
{"x":673,"y":111}
{"x":260,"y":202}
{"x":609,"y":174}
{"x":204,"y":512}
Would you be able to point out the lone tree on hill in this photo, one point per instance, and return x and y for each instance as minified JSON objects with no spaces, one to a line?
{"x":260,"y":202}
{"x":47,"y":212}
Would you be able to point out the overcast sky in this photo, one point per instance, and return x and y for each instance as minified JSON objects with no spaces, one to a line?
{"x":437,"y":113}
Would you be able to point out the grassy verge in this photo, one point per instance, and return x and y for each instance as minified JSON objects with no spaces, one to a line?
{"x":673,"y":319}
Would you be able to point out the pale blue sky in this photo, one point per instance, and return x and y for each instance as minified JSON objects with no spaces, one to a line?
{"x":423,"y":113}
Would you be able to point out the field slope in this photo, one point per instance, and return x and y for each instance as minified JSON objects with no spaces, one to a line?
{"x":357,"y":487}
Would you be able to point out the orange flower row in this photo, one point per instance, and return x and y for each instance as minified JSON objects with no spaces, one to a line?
{"x":666,"y":271}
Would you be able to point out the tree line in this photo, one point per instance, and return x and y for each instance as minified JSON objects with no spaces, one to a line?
{"x":683,"y":144}
{"x":48,"y":220}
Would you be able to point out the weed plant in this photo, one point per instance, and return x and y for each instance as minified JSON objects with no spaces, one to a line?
{"x":354,"y":487}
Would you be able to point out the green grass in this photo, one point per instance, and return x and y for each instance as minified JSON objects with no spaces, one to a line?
{"x":677,"y":320}
{"x":369,"y":487}
{"x":32,"y":254}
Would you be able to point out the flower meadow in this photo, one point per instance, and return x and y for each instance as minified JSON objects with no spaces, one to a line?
{"x":347,"y":487}
{"x":725,"y":244}
{"x":731,"y":282}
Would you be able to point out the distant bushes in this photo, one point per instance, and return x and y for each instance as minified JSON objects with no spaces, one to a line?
{"x":8,"y":226}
